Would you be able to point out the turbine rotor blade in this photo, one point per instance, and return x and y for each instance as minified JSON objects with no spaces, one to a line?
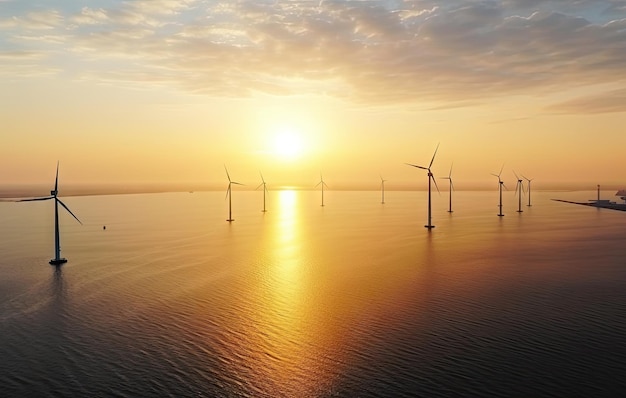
{"x":227,"y":191}
{"x":35,"y":199}
{"x":67,"y":208}
{"x":435,"y":181}
{"x":262,"y":179}
{"x":433,"y":159}
{"x":56,"y":180}
{"x":419,"y":167}
{"x":260,"y":185}
{"x":502,"y":168}
{"x":237,"y":183}
{"x":450,"y":173}
{"x":227,"y":175}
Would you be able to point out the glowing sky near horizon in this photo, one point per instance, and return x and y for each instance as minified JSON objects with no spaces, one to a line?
{"x":167,"y":91}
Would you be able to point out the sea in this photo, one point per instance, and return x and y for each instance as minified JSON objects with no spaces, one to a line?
{"x":162,"y":297}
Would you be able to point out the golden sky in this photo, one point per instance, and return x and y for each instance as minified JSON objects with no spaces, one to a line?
{"x":168,"y":91}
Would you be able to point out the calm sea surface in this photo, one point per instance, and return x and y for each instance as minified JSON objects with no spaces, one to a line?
{"x":354,"y":299}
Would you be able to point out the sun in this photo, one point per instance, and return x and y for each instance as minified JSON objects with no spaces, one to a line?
{"x":288,"y":145}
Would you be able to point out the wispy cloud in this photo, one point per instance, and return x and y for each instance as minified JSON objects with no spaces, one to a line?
{"x":610,"y":101}
{"x":362,"y":51}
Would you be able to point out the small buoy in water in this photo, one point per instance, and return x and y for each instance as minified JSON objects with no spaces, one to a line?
{"x":104,"y":227}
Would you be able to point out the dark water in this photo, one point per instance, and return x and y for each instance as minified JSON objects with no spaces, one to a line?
{"x":354,"y":299}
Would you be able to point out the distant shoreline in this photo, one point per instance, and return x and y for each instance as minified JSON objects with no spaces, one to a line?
{"x":29,"y":191}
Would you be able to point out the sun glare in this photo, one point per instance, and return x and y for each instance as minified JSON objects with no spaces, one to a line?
{"x":288,"y":145}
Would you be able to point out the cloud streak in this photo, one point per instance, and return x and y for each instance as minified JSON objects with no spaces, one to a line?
{"x":369,"y":52}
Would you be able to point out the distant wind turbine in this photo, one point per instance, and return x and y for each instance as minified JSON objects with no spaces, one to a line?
{"x":264,"y":185}
{"x":529,"y":180}
{"x":430,"y":178}
{"x":229,"y":195}
{"x":57,"y":260}
{"x":500,"y":185}
{"x":449,"y":177}
{"x":382,"y":187}
{"x":323,"y":184}
{"x":519,"y":189}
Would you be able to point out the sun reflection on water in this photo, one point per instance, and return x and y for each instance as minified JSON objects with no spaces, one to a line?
{"x":284,"y":350}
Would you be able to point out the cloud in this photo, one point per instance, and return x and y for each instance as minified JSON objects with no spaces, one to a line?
{"x":362,"y":51}
{"x":89,"y":16}
{"x":610,"y":101}
{"x":40,"y":20}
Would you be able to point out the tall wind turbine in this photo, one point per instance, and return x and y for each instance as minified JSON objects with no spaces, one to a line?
{"x":449,"y":177}
{"x":529,"y":180}
{"x":519,"y":189}
{"x":57,"y":260}
{"x":382,"y":188}
{"x":323,"y":184}
{"x":264,"y":185}
{"x":229,"y":195}
{"x":430,"y":178}
{"x":500,"y":185}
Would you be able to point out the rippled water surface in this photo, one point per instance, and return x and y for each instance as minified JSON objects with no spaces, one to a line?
{"x":353,"y":299}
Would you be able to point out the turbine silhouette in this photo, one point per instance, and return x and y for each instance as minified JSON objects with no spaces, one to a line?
{"x":323,"y":184}
{"x":500,"y":185}
{"x":430,"y":178}
{"x":264,"y":185}
{"x":229,"y":195}
{"x":382,"y":188}
{"x":529,"y":180}
{"x":519,"y":188}
{"x":449,"y":177}
{"x":57,"y":260}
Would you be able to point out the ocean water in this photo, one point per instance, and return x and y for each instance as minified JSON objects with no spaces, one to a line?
{"x":353,"y":299}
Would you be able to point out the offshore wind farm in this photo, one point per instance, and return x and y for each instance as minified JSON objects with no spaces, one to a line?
{"x":345,"y":300}
{"x":129,"y":276}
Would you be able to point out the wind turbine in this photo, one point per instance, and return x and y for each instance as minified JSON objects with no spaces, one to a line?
{"x":264,"y":185}
{"x":229,"y":195}
{"x":500,"y":185}
{"x":382,"y":187}
{"x":322,"y":183}
{"x":430,"y":178}
{"x":519,"y":188}
{"x":57,"y":260}
{"x":449,"y":177}
{"x":529,"y":180}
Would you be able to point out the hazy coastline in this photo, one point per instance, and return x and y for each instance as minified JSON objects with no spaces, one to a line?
{"x":33,"y":190}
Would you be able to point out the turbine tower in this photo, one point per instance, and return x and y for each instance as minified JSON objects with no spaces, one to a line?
{"x":323,"y":184}
{"x":57,"y":260}
{"x":382,"y":188}
{"x":264,"y":185}
{"x":229,"y":195}
{"x":519,"y":189}
{"x":500,"y":185}
{"x":449,"y":177}
{"x":529,"y":180}
{"x":430,"y":178}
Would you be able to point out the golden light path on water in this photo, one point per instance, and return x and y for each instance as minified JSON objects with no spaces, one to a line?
{"x":285,"y":335}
